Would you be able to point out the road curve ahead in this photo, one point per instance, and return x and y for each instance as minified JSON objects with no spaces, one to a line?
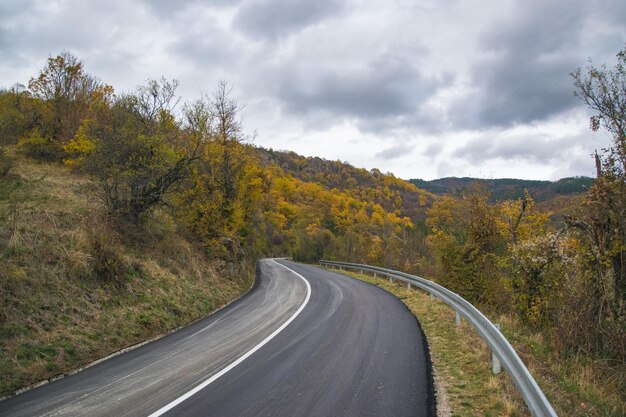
{"x":303,"y":342}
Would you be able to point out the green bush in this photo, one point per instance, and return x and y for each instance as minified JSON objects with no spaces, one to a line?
{"x":107,"y":262}
{"x":43,"y":149}
{"x":6,"y":163}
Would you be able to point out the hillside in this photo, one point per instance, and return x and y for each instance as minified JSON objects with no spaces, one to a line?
{"x":414,"y":197}
{"x":391,"y":193}
{"x":508,"y":189}
{"x":78,"y":284}
{"x":75,"y":287}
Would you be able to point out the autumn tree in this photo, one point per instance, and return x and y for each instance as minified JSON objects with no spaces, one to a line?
{"x":66,"y":90}
{"x":603,"y":222}
{"x":20,"y":113}
{"x":537,"y":261}
{"x":219,"y":198}
{"x":311,"y":241}
{"x":466,"y":243}
{"x":135,"y":147}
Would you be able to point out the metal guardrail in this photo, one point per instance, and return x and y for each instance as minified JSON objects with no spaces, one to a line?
{"x":533,"y":396}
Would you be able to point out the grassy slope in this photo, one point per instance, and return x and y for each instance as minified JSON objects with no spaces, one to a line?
{"x":575,"y":386}
{"x":74,"y":289}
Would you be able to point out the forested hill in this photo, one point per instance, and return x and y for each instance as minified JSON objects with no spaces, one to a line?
{"x":509,"y":189}
{"x":391,"y":193}
{"x":411,"y":197}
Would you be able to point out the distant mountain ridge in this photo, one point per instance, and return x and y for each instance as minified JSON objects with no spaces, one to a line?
{"x":508,"y":188}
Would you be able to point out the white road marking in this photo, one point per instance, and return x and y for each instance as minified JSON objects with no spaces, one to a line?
{"x":206,"y":383}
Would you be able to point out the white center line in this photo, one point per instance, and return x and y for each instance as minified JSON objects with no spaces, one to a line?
{"x":213,"y":378}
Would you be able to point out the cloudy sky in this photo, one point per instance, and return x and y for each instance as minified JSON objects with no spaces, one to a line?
{"x":419,"y":88}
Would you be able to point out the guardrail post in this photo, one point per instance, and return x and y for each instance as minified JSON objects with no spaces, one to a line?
{"x":495,"y":362}
{"x":375,"y":275}
{"x":408,"y":285}
{"x":457,"y":318}
{"x":390,"y":279}
{"x":431,"y":296}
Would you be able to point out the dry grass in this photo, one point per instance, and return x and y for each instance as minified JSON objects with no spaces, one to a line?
{"x":575,"y":386}
{"x":74,"y":287}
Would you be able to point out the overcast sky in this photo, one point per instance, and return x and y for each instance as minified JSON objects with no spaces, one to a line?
{"x":419,"y":88}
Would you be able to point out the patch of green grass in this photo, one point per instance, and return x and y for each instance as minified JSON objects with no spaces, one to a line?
{"x":29,"y":352}
{"x":14,"y":330}
{"x":8,"y":185}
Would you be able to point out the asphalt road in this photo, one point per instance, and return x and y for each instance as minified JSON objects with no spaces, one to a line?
{"x":303,"y":342}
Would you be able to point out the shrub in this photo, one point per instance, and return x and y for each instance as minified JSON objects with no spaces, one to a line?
{"x":107,"y":264}
{"x":6,"y":163}
{"x":43,"y":149}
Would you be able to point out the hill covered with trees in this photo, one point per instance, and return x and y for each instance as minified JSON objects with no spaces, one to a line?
{"x":391,"y":193}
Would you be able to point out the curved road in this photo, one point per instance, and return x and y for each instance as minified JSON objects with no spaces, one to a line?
{"x":303,"y":342}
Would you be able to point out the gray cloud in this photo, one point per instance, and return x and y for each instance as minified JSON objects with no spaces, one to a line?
{"x":433,"y":150}
{"x":540,"y":149}
{"x":395,"y":151}
{"x":208,"y":46}
{"x":576,"y":166}
{"x":530,"y":55}
{"x":168,"y":10}
{"x":521,"y":89}
{"x":273,"y":19}
{"x":28,"y":37}
{"x":14,"y":15}
{"x":387,"y":92}
{"x":165,"y":9}
{"x":9,"y":8}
